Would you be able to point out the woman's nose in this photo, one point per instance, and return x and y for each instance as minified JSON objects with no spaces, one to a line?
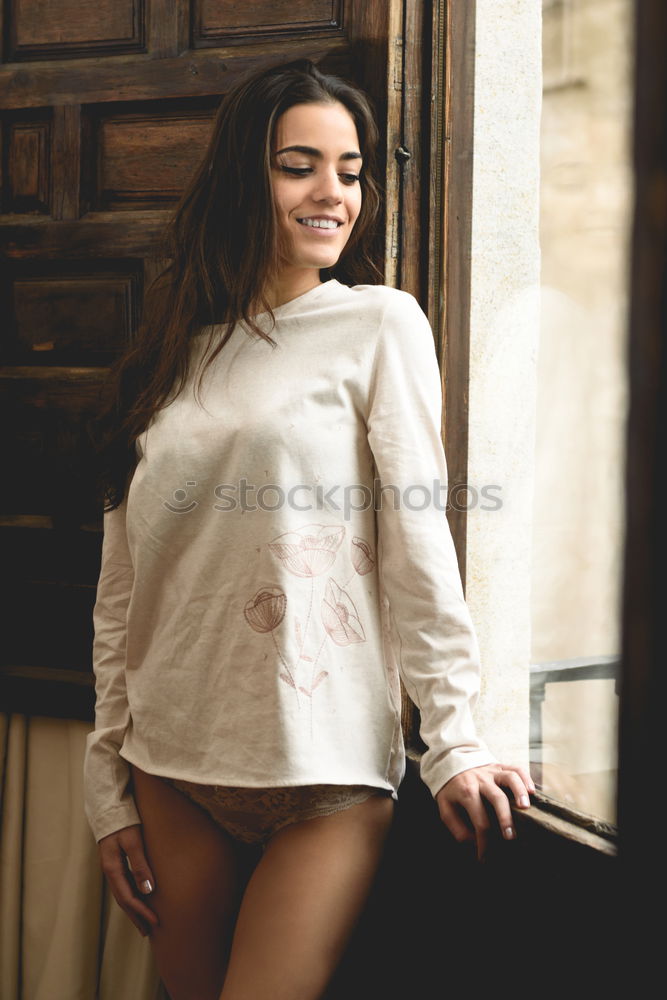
{"x":329,"y":186}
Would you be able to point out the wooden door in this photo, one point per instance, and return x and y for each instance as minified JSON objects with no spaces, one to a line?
{"x":105,"y":108}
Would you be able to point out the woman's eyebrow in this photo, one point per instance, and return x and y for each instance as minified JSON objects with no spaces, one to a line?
{"x":311,"y":151}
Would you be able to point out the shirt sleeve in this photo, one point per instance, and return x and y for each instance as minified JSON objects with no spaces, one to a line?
{"x":438,"y":653}
{"x":109,"y":805}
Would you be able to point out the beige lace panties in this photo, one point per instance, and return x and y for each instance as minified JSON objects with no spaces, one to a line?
{"x":253,"y":815}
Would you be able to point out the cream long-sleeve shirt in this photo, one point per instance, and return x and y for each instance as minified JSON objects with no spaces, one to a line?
{"x":281,"y":557}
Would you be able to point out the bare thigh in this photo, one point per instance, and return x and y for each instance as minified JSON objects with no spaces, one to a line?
{"x":303,"y":901}
{"x":199,"y":877}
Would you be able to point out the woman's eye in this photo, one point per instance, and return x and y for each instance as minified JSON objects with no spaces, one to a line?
{"x":304,"y":171}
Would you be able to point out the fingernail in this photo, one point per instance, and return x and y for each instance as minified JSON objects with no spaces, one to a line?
{"x":146,"y":886}
{"x":509,"y":833}
{"x":524,"y":801}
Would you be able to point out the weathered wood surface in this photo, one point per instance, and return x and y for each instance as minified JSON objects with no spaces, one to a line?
{"x":454,"y":257}
{"x":142,"y":78}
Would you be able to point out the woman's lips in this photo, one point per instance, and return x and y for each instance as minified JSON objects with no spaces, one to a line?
{"x":319,"y":231}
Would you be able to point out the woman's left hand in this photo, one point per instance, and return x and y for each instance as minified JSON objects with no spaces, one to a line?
{"x":466,"y":791}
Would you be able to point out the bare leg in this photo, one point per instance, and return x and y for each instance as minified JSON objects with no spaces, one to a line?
{"x":303,"y":901}
{"x":198,"y":886}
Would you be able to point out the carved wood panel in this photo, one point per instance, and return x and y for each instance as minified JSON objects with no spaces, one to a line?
{"x":216,"y":22}
{"x":28,"y":166}
{"x":46,"y":482}
{"x":73,"y":28}
{"x":79,"y":315}
{"x":26,"y":162}
{"x":142,"y":157}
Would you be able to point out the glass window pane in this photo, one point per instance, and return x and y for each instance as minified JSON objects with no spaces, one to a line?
{"x":585,"y":219}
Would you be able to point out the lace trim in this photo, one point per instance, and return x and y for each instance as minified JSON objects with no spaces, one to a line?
{"x":253,"y":815}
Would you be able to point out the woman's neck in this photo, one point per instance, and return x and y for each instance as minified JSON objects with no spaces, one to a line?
{"x":288,"y":286}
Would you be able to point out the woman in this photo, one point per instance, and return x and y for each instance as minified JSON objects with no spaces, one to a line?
{"x":279,"y":558}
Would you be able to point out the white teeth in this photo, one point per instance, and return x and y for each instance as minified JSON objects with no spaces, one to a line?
{"x":319,"y":223}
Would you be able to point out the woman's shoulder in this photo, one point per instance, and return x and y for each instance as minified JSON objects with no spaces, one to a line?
{"x":395,"y":312}
{"x":382,"y":301}
{"x":381,"y":294}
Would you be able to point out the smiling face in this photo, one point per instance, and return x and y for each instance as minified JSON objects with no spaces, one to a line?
{"x":315,"y":168}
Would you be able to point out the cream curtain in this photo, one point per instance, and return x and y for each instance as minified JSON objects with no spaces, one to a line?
{"x":62,"y":935}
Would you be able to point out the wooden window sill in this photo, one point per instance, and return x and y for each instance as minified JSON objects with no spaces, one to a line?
{"x":549,"y":816}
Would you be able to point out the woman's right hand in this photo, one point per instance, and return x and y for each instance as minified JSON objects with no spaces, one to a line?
{"x":122,"y":850}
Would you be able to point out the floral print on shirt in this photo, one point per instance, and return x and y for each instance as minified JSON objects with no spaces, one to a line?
{"x":310,"y":552}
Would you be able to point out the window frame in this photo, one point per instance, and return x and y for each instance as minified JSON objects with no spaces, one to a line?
{"x":645,"y":548}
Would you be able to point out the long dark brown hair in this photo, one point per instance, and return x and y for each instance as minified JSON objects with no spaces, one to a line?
{"x":223,"y":246}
